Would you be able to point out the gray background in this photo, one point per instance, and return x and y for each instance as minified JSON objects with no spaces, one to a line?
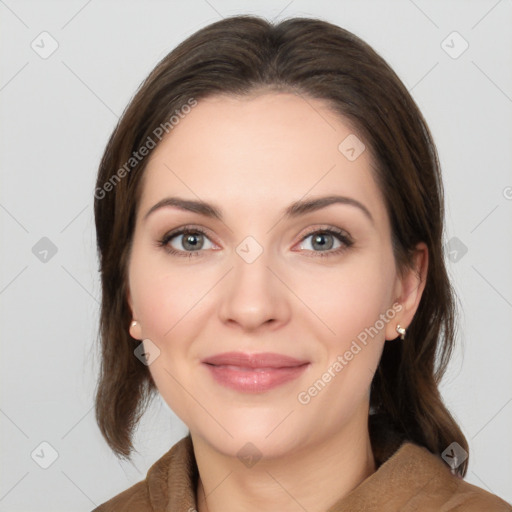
{"x":57,"y":113}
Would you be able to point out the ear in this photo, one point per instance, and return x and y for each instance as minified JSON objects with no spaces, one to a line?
{"x":135,"y":328}
{"x":409,"y":289}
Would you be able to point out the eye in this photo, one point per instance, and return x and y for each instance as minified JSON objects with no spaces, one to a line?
{"x":189,"y":241}
{"x":325,"y":240}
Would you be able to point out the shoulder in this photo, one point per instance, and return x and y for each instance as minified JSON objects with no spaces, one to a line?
{"x":439,"y":489}
{"x":470,"y":498}
{"x":167,"y":475}
{"x":411,"y":477}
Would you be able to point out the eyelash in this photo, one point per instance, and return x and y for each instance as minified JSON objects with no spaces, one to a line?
{"x":342,"y":236}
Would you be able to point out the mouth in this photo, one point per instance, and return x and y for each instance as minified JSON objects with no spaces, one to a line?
{"x":254,"y":373}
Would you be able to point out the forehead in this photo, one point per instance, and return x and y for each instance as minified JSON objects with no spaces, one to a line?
{"x":269,"y":148}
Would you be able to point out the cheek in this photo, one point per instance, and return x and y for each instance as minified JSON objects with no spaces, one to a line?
{"x":350,"y":298}
{"x":352,"y":333}
{"x":165,"y":303}
{"x":162,"y":298}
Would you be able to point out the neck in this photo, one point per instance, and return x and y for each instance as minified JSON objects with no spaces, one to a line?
{"x":313,"y":478}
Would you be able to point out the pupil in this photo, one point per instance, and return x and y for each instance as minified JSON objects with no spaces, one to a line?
{"x":320,"y":239}
{"x":192,"y":240}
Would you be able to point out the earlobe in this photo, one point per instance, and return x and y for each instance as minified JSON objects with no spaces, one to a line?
{"x":135,"y":330}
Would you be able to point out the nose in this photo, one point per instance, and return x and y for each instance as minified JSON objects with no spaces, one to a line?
{"x":254,"y":295}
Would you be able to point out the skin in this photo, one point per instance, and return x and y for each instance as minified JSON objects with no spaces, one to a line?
{"x":252,"y":157}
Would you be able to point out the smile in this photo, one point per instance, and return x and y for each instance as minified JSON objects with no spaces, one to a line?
{"x":254,"y":373}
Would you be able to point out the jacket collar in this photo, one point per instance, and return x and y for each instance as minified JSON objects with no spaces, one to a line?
{"x":405,"y":471}
{"x":409,"y":475}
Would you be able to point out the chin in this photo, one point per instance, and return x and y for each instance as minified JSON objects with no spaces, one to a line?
{"x":252,"y":445}
{"x":252,"y":432}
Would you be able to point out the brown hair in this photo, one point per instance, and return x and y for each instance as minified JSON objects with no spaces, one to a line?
{"x":310,"y":57}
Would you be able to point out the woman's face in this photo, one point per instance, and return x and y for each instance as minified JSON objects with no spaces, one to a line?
{"x":318,"y":285}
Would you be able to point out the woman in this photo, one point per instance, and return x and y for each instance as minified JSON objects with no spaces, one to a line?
{"x":269,"y":216}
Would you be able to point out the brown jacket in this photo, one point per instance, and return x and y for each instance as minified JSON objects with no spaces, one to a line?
{"x":410,"y":479}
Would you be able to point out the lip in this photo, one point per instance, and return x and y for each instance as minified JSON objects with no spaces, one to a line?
{"x":254,"y":373}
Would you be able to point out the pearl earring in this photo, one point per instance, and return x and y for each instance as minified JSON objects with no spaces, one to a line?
{"x":401,"y":331}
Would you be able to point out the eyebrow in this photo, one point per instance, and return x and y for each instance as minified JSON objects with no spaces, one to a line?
{"x":294,"y":210}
